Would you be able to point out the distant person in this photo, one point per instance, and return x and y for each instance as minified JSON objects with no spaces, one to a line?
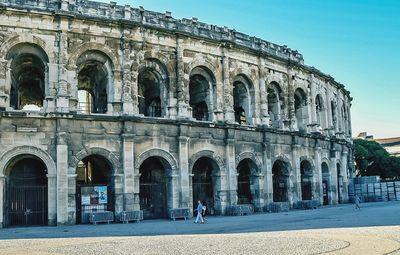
{"x":203,"y":214}
{"x":199,"y":211}
{"x":357,"y":202}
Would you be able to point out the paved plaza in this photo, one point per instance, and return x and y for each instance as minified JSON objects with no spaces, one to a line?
{"x":336,"y":229}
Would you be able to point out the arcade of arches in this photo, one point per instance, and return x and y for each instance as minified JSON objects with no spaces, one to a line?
{"x":123,"y":117}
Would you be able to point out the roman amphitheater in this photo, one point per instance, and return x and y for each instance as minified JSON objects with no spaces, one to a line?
{"x":115,"y":108}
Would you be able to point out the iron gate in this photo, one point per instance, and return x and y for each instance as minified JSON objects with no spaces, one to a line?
{"x":26,"y":205}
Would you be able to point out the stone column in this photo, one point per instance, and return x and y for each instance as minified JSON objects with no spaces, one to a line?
{"x":118,"y":192}
{"x":115,"y":103}
{"x":295,"y":178}
{"x":262,"y":78}
{"x":228,"y":90}
{"x":51,"y":84}
{"x":267,"y":172}
{"x":183,"y":107}
{"x":334,"y":178}
{"x":314,"y":124}
{"x":62,"y":184}
{"x":62,"y":90}
{"x":4,"y":92}
{"x":344,"y":168}
{"x":52,"y":199}
{"x":127,"y":101}
{"x":185,"y":200}
{"x":128,"y":155}
{"x":2,"y":199}
{"x":232,"y":178}
{"x":290,"y":105}
{"x":317,"y":193}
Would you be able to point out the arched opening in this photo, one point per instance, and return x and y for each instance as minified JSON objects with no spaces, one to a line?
{"x":26,"y":202}
{"x":339,"y":182}
{"x":244,"y":175}
{"x":201,"y":92}
{"x":94,"y":187}
{"x":204,"y":183}
{"x":300,"y":107}
{"x":243,"y":100}
{"x":325,"y":183}
{"x":94,"y":79}
{"x":152,"y":89}
{"x":280,"y":179}
{"x":153,"y":188}
{"x":275,"y":99}
{"x":320,"y":112}
{"x":29,"y":65}
{"x":306,"y":180}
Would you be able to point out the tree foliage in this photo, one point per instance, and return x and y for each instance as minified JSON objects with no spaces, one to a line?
{"x":372,"y":159}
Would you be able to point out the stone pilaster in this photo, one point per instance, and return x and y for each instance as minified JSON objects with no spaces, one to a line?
{"x":232,"y":178}
{"x":295,"y":176}
{"x":128,"y":155}
{"x":267,"y":173}
{"x":185,"y":200}
{"x":2,"y":199}
{"x":228,"y":89}
{"x":4,"y":92}
{"x":52,"y":199}
{"x":182,"y":82}
{"x":62,"y":184}
{"x":262,"y":78}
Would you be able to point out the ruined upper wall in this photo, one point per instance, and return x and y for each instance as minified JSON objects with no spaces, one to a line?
{"x":126,"y":13}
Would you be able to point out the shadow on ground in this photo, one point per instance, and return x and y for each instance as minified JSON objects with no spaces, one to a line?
{"x":340,"y":216}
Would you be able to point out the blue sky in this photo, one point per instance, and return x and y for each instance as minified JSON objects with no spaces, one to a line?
{"x":355,"y":41}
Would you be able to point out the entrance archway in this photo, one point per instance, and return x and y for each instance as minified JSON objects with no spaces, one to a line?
{"x":325,"y":182}
{"x":280,"y":179}
{"x":204,"y":183}
{"x":26,"y":201}
{"x":94,"y":187}
{"x":244,"y":179}
{"x":306,"y":180}
{"x":153,"y":188}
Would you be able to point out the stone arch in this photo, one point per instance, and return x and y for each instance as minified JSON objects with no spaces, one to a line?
{"x":208,"y":154}
{"x":309,"y":159}
{"x":165,"y":155}
{"x":284,"y":159}
{"x":162,"y":59}
{"x":251,"y":156}
{"x":202,"y":62}
{"x":91,"y":46}
{"x":244,"y":100}
{"x":28,"y":150}
{"x":108,"y":155}
{"x":31,"y":39}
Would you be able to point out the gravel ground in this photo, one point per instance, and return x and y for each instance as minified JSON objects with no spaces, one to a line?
{"x":371,"y":240}
{"x":375,"y":229}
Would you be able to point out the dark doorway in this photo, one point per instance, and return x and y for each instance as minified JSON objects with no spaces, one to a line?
{"x":153,"y":189}
{"x":339,"y":182}
{"x":325,"y":182}
{"x":306,"y":177}
{"x":244,"y":192}
{"x":94,"y":187}
{"x":280,"y":179}
{"x":203,"y":189}
{"x":26,"y":193}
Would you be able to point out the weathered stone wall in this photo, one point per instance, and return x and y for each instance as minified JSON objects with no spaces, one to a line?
{"x":131,"y":40}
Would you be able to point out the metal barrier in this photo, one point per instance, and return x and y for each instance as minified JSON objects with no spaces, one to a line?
{"x":105,"y":216}
{"x":277,"y":207}
{"x":179,"y":213}
{"x":240,"y":210}
{"x":126,"y":216}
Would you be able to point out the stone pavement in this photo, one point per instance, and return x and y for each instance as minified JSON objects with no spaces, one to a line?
{"x":339,"y":229}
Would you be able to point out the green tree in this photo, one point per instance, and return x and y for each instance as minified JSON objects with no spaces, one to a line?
{"x":372,"y":159}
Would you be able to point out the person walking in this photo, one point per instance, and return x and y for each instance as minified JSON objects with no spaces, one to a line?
{"x":357,"y":202}
{"x":204,"y":212}
{"x":199,"y":211}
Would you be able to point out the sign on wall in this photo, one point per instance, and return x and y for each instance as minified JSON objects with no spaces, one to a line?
{"x":94,"y":195}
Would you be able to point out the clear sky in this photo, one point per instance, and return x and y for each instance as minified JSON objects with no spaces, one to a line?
{"x":355,"y":41}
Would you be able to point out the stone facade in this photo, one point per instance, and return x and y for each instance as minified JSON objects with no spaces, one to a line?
{"x":122,"y":85}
